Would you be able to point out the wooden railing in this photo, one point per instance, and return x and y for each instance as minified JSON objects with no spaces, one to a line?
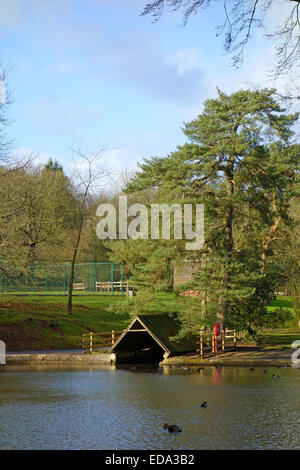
{"x":93,"y":341}
{"x":208,"y":344}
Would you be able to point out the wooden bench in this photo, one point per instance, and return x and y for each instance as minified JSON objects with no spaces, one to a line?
{"x":103,"y":285}
{"x":117,"y":285}
{"x":78,"y":286}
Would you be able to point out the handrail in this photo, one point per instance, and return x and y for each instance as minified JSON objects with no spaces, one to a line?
{"x":105,"y":339}
{"x":209,"y":343}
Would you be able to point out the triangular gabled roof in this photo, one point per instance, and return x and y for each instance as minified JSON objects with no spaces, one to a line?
{"x":162,"y":328}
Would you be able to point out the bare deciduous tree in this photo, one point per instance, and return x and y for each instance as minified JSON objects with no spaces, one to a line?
{"x":89,"y":174}
{"x":240,"y":18}
{"x":5,"y":101}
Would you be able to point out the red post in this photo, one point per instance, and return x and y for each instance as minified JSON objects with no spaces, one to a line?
{"x":217,"y":332}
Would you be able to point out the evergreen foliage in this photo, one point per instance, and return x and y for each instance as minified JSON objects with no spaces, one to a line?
{"x":240,"y":161}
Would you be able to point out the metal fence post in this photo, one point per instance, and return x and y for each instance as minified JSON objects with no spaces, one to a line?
{"x":64,"y":278}
{"x":68,"y":277}
{"x":94,"y":278}
{"x":33,"y":273}
{"x":90,"y":278}
{"x":112,"y":278}
{"x":121,"y":267}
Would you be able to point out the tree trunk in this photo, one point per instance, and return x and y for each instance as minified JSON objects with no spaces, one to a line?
{"x":267,"y":241}
{"x":32,"y":254}
{"x":227,"y":244}
{"x":71,"y":280}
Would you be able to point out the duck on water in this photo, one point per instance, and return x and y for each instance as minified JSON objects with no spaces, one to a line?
{"x":172,"y":427}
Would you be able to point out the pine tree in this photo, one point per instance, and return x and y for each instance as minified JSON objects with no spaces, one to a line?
{"x":239,"y":162}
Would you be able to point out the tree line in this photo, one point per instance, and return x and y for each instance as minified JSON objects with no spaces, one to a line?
{"x":241,"y":160}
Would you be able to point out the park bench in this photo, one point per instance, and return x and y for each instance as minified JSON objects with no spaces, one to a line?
{"x":117,"y":285}
{"x":103,"y":286}
{"x":78,"y":286}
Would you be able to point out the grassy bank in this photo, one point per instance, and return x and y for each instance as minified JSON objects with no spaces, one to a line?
{"x":36,"y":322}
{"x":280,"y":338}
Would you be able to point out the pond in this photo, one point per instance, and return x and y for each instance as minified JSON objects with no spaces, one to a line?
{"x":46,"y":407}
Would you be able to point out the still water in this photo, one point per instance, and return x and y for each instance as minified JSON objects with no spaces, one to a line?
{"x":110,"y":408}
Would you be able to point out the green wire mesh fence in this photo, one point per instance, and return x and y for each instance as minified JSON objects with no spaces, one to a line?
{"x":89,"y":279}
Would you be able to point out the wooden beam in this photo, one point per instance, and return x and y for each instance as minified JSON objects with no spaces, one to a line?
{"x":136,"y":331}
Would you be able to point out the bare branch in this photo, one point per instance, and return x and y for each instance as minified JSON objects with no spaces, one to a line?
{"x":241,"y":17}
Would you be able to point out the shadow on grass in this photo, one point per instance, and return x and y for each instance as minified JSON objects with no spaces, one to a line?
{"x":280,"y":337}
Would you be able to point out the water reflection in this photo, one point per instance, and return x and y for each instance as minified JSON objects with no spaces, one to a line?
{"x":88,"y":407}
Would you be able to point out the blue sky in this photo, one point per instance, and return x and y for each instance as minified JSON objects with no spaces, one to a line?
{"x":96,"y":74}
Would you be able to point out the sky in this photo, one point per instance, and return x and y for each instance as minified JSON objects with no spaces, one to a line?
{"x":95,"y":74}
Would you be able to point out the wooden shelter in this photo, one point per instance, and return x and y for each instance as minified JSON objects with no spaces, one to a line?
{"x":150,"y":338}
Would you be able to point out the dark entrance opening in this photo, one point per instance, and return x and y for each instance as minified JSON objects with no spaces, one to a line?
{"x":150,"y":338}
{"x":138,"y":347}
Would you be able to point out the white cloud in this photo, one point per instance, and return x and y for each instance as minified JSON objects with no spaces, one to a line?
{"x":186,"y":60}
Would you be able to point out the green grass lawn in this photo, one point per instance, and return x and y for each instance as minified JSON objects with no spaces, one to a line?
{"x":280,"y":338}
{"x":40,"y":322}
{"x":281,"y":301}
